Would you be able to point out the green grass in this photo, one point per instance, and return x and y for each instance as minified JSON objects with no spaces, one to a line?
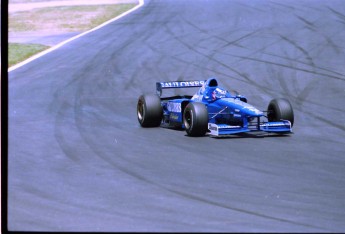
{"x":65,"y":18}
{"x":56,"y":19}
{"x":20,"y":52}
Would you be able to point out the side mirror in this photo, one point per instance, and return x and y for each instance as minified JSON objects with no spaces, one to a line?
{"x":242,"y":98}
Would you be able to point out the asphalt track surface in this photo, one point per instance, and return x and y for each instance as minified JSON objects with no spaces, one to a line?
{"x":79,"y":161}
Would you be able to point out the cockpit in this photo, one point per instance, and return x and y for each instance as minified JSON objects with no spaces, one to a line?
{"x":210,"y":91}
{"x":215,"y":93}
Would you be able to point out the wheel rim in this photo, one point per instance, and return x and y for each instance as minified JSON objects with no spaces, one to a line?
{"x":188,"y":119}
{"x":140,"y":111}
{"x":270,"y":115}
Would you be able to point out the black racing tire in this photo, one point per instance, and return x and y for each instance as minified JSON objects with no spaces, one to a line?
{"x":280,"y":109}
{"x":149,"y":110}
{"x":195,"y":119}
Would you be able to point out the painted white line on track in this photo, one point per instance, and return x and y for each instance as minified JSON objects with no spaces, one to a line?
{"x":141,"y":3}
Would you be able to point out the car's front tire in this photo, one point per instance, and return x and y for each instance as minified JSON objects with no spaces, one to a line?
{"x":280,"y":109}
{"x":149,"y":110}
{"x":195,"y":119}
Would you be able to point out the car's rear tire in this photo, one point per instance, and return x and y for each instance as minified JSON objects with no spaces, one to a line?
{"x":149,"y":110}
{"x":280,"y":109}
{"x":195,"y":119}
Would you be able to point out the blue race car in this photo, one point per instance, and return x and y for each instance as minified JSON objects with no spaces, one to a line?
{"x":212,"y":110}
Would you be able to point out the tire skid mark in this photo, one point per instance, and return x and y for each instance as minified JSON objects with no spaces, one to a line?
{"x":305,"y":92}
{"x":143,"y":37}
{"x":234,"y":42}
{"x":178,"y":58}
{"x":277,"y":75}
{"x":332,"y":44}
{"x":322,"y":119}
{"x":60,"y":133}
{"x":246,"y":6}
{"x":283,"y":83}
{"x":328,"y":39}
{"x":209,"y":69}
{"x":227,"y":42}
{"x":300,"y":97}
{"x":307,"y":22}
{"x":164,"y":56}
{"x":280,"y":4}
{"x":211,"y":57}
{"x":338,"y":14}
{"x":246,"y":77}
{"x":303,"y":63}
{"x":300,"y":48}
{"x":264,"y":88}
{"x":290,"y":67}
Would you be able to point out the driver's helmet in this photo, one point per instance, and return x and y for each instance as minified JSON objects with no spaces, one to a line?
{"x":219,"y":93}
{"x":214,"y":93}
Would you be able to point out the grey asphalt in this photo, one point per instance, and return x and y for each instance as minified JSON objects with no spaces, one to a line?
{"x":79,"y":161}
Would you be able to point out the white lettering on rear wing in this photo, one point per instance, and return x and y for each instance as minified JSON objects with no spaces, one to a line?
{"x":178,"y":84}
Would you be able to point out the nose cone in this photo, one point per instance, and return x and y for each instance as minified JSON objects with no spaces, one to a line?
{"x":250,"y":110}
{"x":241,"y":107}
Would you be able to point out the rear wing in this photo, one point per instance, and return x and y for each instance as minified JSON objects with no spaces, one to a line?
{"x":178,"y":84}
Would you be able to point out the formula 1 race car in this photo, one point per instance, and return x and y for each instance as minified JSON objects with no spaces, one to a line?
{"x":212,"y":110}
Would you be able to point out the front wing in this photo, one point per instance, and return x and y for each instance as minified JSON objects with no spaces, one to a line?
{"x":219,"y":130}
